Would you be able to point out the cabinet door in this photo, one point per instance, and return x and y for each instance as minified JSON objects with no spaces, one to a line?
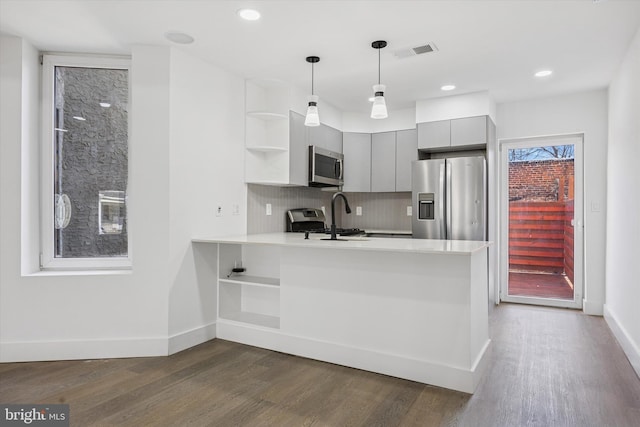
{"x":333,"y":139}
{"x":406,"y":152}
{"x":326,"y":137}
{"x":383,"y":161}
{"x":469,"y":131}
{"x":434,"y":134}
{"x":298,"y":151}
{"x":357,"y":162}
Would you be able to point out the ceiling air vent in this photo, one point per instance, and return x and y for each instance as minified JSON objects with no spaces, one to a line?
{"x":413,"y":51}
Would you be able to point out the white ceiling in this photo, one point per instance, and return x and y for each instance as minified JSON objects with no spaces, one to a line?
{"x":483,"y":45}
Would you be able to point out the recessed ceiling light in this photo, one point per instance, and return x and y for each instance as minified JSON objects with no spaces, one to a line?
{"x":178,"y":37}
{"x":249,"y":14}
{"x":82,"y":119}
{"x":448,"y":87}
{"x":105,"y":104}
{"x":543,"y":73}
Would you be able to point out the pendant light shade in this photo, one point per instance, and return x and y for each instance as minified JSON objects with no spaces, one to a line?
{"x":379,"y":108}
{"x":312,"y":118}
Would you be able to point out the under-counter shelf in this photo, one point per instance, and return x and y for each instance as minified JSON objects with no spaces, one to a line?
{"x":249,"y":298}
{"x":269,"y":282}
{"x":253,"y":318}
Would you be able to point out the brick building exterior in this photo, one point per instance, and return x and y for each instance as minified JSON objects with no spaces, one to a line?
{"x":541,"y":180}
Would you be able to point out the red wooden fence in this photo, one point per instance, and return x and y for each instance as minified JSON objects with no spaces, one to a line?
{"x":541,"y":237}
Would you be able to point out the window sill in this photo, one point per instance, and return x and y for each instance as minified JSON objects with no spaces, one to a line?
{"x":48,"y":273}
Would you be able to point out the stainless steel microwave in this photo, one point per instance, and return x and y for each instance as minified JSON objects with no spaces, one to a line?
{"x":326,"y":168}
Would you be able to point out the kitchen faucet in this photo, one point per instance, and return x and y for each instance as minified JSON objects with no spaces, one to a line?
{"x":333,"y":212}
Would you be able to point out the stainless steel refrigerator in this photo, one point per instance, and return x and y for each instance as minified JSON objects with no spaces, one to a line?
{"x":449,"y":198}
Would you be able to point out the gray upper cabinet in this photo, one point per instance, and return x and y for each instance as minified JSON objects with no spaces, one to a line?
{"x":326,"y":137}
{"x":434,"y":134}
{"x":444,"y":134}
{"x":406,"y":152}
{"x":357,"y":162}
{"x":383,"y":161}
{"x":469,"y":131}
{"x":333,"y":139}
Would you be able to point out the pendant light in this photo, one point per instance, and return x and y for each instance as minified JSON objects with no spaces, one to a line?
{"x":379,"y":108}
{"x":312,"y":118}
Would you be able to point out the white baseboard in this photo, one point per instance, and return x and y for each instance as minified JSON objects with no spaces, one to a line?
{"x":631,"y":349}
{"x":41,"y":351}
{"x":81,"y":349}
{"x":428,"y":372}
{"x":188,"y":339}
{"x":592,"y":308}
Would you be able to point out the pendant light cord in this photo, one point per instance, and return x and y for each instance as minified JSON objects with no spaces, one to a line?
{"x":378,"y":65}
{"x":312,"y":67}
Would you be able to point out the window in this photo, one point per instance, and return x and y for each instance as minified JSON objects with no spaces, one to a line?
{"x":85,"y":163}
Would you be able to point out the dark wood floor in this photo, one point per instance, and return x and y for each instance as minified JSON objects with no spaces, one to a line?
{"x":540,"y":285}
{"x":549,"y":367}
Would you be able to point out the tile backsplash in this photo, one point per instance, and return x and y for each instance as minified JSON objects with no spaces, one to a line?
{"x":380,"y":211}
{"x":282,"y":199}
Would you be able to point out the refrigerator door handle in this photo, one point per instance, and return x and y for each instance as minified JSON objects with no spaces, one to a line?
{"x":443,"y":188}
{"x":448,"y":198}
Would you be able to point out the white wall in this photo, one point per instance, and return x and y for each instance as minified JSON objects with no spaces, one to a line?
{"x":185,"y":156}
{"x":456,"y":106}
{"x":64,"y":316}
{"x":397,"y":120}
{"x":206,"y":170}
{"x":623,"y":201}
{"x":584,"y":112}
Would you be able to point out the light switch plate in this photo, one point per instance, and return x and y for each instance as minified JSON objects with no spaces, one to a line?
{"x":409,"y":210}
{"x":219,"y":210}
{"x":268,"y":209}
{"x":235,"y":210}
{"x":359,"y":210}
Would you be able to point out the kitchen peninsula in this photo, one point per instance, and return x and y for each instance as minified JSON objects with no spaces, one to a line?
{"x":411,"y":308}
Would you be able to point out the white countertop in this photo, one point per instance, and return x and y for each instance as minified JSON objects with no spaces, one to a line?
{"x":454,"y":247}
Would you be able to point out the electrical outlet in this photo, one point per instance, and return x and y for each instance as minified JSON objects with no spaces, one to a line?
{"x":235,"y":210}
{"x":595,"y":206}
{"x":219,"y":210}
{"x":268,"y":209}
{"x":409,"y":210}
{"x":359,"y":210}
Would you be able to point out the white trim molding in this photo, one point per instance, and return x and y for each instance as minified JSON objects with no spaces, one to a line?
{"x":191,"y":338}
{"x":631,"y":349}
{"x":40,"y":351}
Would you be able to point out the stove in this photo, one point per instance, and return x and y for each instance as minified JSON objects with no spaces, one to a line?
{"x":313,"y":220}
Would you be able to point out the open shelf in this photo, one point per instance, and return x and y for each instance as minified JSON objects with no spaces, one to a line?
{"x":267,"y":149}
{"x":268,"y":282}
{"x":253,"y":318}
{"x":267,"y":115}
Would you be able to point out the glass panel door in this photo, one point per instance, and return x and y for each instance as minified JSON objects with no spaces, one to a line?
{"x":541,"y":207}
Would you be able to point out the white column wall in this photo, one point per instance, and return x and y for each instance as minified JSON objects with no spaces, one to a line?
{"x":584,"y":112}
{"x":623,"y":200}
{"x":206,"y":170}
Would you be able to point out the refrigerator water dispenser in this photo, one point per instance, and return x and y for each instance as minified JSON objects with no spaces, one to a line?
{"x":425,"y":206}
